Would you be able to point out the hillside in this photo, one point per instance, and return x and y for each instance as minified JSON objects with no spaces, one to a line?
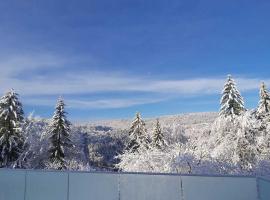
{"x":194,"y":143}
{"x":190,"y":123}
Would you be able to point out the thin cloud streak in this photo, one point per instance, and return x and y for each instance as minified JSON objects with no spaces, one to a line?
{"x":94,"y":104}
{"x":90,"y":83}
{"x":14,"y":70}
{"x":20,"y":63}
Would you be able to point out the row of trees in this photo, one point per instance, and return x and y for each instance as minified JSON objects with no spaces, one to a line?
{"x":237,"y":142}
{"x":24,"y":145}
{"x":13,"y":143}
{"x":245,"y":132}
{"x":232,"y":105}
{"x":139,"y":137}
{"x":238,"y":139}
{"x":232,"y":102}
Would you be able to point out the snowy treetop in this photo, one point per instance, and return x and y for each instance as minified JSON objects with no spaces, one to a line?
{"x":231,"y":101}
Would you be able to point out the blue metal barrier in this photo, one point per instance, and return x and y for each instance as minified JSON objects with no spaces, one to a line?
{"x":65,"y":185}
{"x":263,"y":188}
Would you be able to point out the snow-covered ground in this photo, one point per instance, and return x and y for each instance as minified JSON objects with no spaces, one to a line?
{"x":195,"y":143}
{"x":190,"y":123}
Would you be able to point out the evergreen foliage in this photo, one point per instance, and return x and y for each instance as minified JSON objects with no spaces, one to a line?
{"x":235,"y":142}
{"x":246,"y":153}
{"x":11,"y":137}
{"x":59,"y":131}
{"x":137,"y":134}
{"x":264,"y":103}
{"x":231,"y":101}
{"x":247,"y":147}
{"x":158,"y":137}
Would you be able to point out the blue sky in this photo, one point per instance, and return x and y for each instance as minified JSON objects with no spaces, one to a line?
{"x":109,"y":59}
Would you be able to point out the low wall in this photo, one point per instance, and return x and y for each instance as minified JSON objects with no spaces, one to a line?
{"x":58,"y":185}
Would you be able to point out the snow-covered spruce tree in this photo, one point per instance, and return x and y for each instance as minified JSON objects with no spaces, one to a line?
{"x":11,"y":137}
{"x":231,"y":101}
{"x":158,"y":137}
{"x":264,"y":138}
{"x":246,"y":153}
{"x":137,"y":134}
{"x":264,"y":103}
{"x":35,"y":152}
{"x":59,"y":131}
{"x":247,"y":147}
{"x":234,"y":142}
{"x":263,"y":118}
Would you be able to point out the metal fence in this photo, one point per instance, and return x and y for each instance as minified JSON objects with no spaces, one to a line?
{"x":58,"y":185}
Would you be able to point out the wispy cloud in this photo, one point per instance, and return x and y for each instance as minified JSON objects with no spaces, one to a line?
{"x":78,"y":82}
{"x":94,"y":104}
{"x":19,"y":63}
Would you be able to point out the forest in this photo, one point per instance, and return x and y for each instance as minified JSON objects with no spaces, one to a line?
{"x":233,"y":141}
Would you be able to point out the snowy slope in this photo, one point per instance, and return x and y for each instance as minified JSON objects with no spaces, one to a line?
{"x":190,"y":123}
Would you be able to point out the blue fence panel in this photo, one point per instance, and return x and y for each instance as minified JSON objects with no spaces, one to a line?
{"x":93,"y":186}
{"x":46,"y":185}
{"x":219,"y":188}
{"x":12,"y":185}
{"x":264,"y":189}
{"x":149,"y":187}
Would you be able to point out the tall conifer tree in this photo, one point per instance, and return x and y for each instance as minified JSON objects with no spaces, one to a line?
{"x":59,"y":131}
{"x":231,"y":101}
{"x":11,"y":137}
{"x":137,"y":134}
{"x":158,"y":137}
{"x":264,"y":103}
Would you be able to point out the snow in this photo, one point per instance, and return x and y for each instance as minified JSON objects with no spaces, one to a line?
{"x":11,"y":118}
{"x":233,"y":141}
{"x":264,"y":103}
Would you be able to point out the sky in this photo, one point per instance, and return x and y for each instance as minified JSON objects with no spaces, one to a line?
{"x":110,"y":59}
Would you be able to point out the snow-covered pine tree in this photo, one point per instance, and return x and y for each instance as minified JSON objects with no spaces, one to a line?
{"x":231,"y":101}
{"x":264,"y":103}
{"x":158,"y":137}
{"x":246,"y":153}
{"x":137,"y":134}
{"x":59,"y":132}
{"x":234,"y":142}
{"x":264,"y":138}
{"x":35,"y":151}
{"x":11,"y":137}
{"x":247,"y":149}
